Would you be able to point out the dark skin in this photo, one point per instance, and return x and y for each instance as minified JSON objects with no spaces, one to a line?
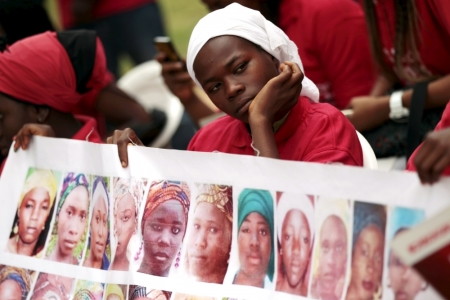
{"x":243,"y":81}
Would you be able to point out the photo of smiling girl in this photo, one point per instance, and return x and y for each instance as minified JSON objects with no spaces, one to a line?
{"x":163,"y":226}
{"x":34,"y":213}
{"x":98,"y":250}
{"x":72,"y":214}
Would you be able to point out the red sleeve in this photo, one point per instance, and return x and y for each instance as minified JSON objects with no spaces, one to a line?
{"x":344,"y":50}
{"x":441,"y":9}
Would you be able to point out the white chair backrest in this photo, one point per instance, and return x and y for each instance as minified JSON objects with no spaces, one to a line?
{"x":369,"y":158}
{"x":145,"y":83}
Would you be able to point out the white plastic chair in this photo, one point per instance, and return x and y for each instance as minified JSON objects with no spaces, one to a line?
{"x":369,"y":158}
{"x":145,"y":83}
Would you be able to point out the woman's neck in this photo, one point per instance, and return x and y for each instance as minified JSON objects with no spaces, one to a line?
{"x":245,"y":279}
{"x":57,"y":255}
{"x":92,"y":262}
{"x":64,"y":125}
{"x":286,"y":287}
{"x":216,"y":277}
{"x":120,"y":263}
{"x":16,"y":245}
{"x":147,"y":269}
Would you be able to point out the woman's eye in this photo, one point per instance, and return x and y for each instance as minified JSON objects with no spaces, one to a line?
{"x":176,"y":230}
{"x":97,"y":218}
{"x":213,"y":230}
{"x":287,"y":237}
{"x":214,"y":88}
{"x":263,"y":232}
{"x":306,"y":240}
{"x":196,"y":226}
{"x":240,"y":68}
{"x":245,"y":230}
{"x":83,"y":217}
{"x":28,"y":205}
{"x":45,"y":207}
{"x":156,"y":227}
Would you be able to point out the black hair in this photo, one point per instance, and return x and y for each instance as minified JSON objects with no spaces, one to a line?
{"x":23,"y":18}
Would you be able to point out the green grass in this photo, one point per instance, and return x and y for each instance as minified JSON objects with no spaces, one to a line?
{"x":180,"y":17}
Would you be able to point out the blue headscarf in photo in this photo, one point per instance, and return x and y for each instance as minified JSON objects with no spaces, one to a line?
{"x":259,"y":201}
{"x":366,"y":214}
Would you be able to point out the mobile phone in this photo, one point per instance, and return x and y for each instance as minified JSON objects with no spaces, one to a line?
{"x":163,"y":44}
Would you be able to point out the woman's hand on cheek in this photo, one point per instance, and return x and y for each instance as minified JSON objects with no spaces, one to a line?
{"x":23,"y":137}
{"x":122,"y":138}
{"x":278,"y":96}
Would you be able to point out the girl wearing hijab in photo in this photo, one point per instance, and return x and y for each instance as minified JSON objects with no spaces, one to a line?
{"x":50,"y":286}
{"x":210,"y":232}
{"x":295,"y":217}
{"x":88,"y":290}
{"x":115,"y":292}
{"x":14,"y":283}
{"x":128,"y":194}
{"x":71,"y":220}
{"x":251,"y":71}
{"x":163,"y":226}
{"x":404,"y":281}
{"x":255,"y":239}
{"x":369,"y":223}
{"x":33,"y":216}
{"x":97,"y":256}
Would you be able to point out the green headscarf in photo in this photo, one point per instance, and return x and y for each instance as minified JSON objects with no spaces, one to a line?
{"x":259,"y":201}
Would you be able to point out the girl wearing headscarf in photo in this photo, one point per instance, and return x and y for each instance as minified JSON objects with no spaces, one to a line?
{"x":404,"y":281}
{"x":14,"y":283}
{"x":369,"y":224}
{"x":251,"y":71}
{"x":114,"y":292}
{"x":163,"y":226}
{"x":71,"y":220}
{"x":210,"y":232}
{"x":98,"y":240}
{"x":295,"y":217}
{"x":128,"y":194}
{"x":34,"y":213}
{"x":88,"y":290}
{"x":255,"y":239}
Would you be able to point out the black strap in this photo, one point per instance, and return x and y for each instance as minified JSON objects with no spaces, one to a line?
{"x":81,"y":47}
{"x":416,"y":108}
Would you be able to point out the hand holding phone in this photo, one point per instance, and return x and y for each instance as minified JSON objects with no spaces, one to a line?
{"x":164,"y":45}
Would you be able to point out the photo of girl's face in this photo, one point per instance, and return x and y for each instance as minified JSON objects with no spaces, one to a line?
{"x":125,"y":223}
{"x":254,"y":243}
{"x":99,"y":228}
{"x":33,"y":213}
{"x":295,"y":245}
{"x":163,"y":232}
{"x":405,"y":282}
{"x":367,"y":262}
{"x":72,"y":219}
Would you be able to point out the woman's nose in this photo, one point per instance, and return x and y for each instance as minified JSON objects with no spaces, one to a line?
{"x":233,"y":88}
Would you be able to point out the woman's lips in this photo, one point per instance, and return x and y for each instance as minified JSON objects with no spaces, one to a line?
{"x":161,"y":256}
{"x":70,"y":244}
{"x":31,"y":230}
{"x":368,"y":285}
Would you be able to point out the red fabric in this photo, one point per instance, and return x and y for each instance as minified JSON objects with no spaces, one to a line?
{"x":312,"y":132}
{"x":443,"y":123}
{"x":29,"y":64}
{"x":87,"y":133}
{"x":434,"y":23}
{"x":332,"y":41}
{"x":102,"y":8}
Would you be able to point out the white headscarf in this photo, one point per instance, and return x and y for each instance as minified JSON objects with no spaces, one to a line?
{"x":288,"y":202}
{"x":248,"y":24}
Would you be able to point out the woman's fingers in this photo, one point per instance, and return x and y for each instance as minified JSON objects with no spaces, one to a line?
{"x":23,"y":137}
{"x":123,"y":138}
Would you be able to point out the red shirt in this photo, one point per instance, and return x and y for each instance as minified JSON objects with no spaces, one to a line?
{"x":102,"y":8}
{"x":434,"y":27}
{"x":87,"y":133}
{"x":332,"y":41}
{"x":312,"y":132}
{"x":443,"y":123}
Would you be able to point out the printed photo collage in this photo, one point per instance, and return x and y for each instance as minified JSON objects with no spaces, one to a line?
{"x":297,"y":244}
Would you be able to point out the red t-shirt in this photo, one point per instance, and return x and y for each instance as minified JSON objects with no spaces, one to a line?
{"x":332,"y":41}
{"x":434,"y":27}
{"x":87,"y":133}
{"x":312,"y":132}
{"x":443,"y":123}
{"x":102,"y":8}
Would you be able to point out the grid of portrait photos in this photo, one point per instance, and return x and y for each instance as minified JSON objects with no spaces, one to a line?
{"x":289,"y":243}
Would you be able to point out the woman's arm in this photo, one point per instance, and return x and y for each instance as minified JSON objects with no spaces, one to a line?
{"x":372,"y":111}
{"x":271,"y":104}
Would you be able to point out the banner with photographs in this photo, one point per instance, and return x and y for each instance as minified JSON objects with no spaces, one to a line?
{"x":186,"y":225}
